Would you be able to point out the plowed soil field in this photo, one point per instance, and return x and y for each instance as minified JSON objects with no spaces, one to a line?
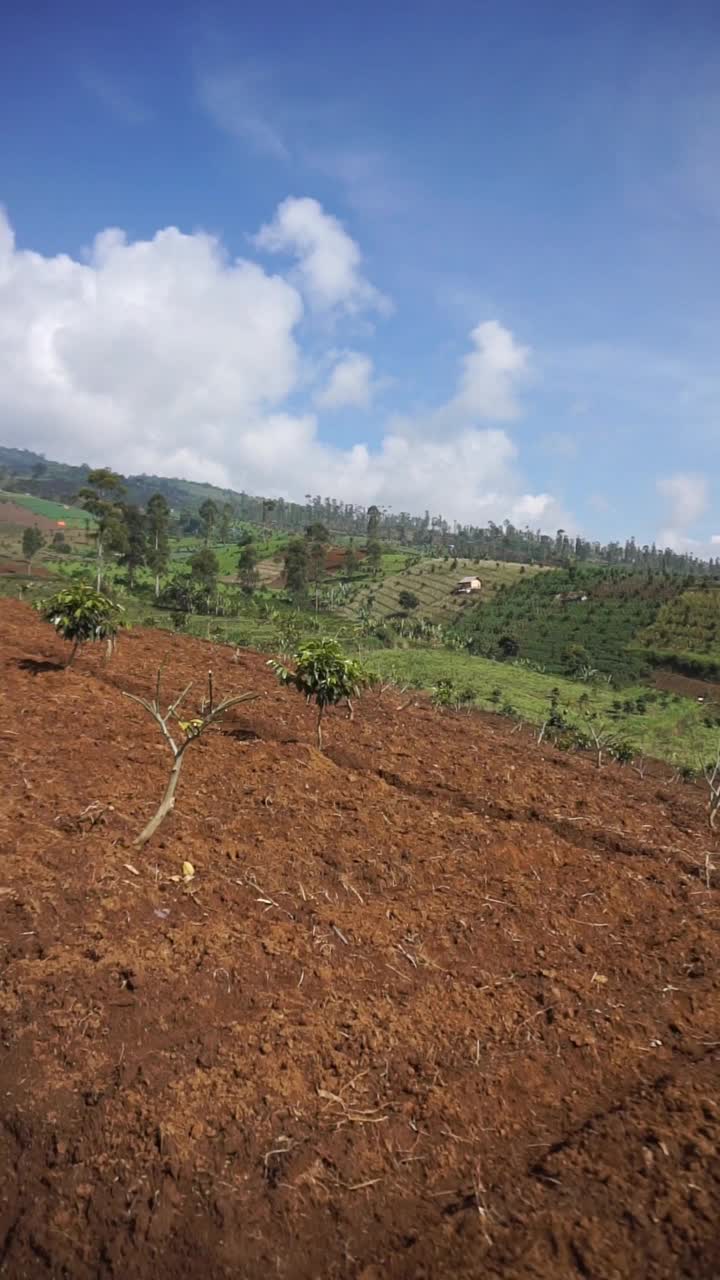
{"x":13,"y":513}
{"x":436,"y":1003}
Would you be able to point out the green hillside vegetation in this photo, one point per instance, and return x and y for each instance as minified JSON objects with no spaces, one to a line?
{"x":23,"y":471}
{"x":568,"y":620}
{"x":659,"y":725}
{"x":431,"y":580}
{"x":686,"y":632}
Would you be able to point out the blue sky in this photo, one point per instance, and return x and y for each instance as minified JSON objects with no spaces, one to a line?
{"x":459,"y":256}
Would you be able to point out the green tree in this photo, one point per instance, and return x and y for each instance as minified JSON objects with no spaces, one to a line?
{"x":208,"y":514}
{"x":408,"y":600}
{"x":101,"y":497}
{"x":508,"y":646}
{"x":373,"y":522}
{"x":323,"y":675}
{"x":317,"y":532}
{"x":351,"y":560}
{"x":226,"y":519}
{"x":32,"y":542}
{"x":81,"y":616}
{"x":318,"y":538}
{"x":204,"y":568}
{"x":158,"y":545}
{"x":575,"y":658}
{"x":296,"y":566}
{"x":374,"y":555}
{"x":134,"y":555}
{"x":247,"y":567}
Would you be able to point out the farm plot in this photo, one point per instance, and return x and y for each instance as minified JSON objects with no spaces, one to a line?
{"x":433,"y":582}
{"x":433,"y":1003}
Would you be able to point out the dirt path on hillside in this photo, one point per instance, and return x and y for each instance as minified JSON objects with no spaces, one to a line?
{"x":436,"y":1004}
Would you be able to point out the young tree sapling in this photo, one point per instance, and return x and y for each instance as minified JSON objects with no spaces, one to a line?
{"x":191,"y":730}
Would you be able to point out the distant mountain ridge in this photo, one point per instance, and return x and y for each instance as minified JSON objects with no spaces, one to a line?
{"x":62,"y":480}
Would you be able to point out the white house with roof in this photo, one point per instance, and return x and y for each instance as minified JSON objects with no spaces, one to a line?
{"x":467,"y":586}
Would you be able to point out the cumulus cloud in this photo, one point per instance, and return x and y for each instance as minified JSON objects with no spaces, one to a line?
{"x":687,"y":493}
{"x":490,"y":373}
{"x":687,"y":497}
{"x":166,"y":355}
{"x":350,"y":384}
{"x":329,"y":260}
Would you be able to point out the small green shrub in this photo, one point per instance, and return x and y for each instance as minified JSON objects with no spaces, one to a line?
{"x":81,"y":616}
{"x":324,"y":675}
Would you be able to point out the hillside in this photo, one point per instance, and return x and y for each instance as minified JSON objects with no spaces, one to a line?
{"x":432,"y":581}
{"x":62,"y":481}
{"x":25,"y":471}
{"x":566,"y":620}
{"x":42,"y":510}
{"x":652,"y":723}
{"x":438,"y":1002}
{"x":686,"y":632}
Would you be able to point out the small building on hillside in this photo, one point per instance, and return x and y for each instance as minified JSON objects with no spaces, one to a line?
{"x":466,"y":586}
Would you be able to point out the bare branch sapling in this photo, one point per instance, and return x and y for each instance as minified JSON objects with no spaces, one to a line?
{"x":711,"y":774}
{"x":191,"y":730}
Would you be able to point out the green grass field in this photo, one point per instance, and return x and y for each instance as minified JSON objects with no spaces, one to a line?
{"x":432,"y":581}
{"x":671,"y":728}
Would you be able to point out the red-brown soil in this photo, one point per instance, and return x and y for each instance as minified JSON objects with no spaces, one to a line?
{"x":20,"y":568}
{"x":687,"y":686}
{"x":335,"y":558}
{"x":14,"y":514}
{"x":437,"y":1003}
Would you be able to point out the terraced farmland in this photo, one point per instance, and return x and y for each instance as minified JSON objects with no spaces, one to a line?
{"x":73,"y":516}
{"x":432,"y":581}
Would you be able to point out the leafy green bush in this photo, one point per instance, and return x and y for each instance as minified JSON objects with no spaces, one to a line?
{"x":324,"y":675}
{"x":82,"y":615}
{"x":408,"y":600}
{"x":447,"y":694}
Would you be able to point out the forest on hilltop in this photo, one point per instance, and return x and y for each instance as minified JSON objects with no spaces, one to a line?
{"x":22,"y":470}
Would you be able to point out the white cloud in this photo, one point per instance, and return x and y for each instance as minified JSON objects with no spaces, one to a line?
{"x":329,"y":260}
{"x":231,"y":100}
{"x":487,"y":386}
{"x":490,"y":372}
{"x":168,"y":356}
{"x":676,"y":540}
{"x":350,"y":384}
{"x":687,"y":494}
